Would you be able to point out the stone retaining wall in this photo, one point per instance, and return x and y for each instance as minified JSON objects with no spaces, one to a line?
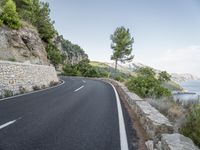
{"x":157,"y":126}
{"x":14,"y":76}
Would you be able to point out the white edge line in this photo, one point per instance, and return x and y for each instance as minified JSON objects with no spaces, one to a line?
{"x":8,"y":123}
{"x":63,"y":82}
{"x":122,"y":129}
{"x":79,"y":88}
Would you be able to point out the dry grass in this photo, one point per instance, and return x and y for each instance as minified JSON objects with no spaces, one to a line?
{"x":174,"y":112}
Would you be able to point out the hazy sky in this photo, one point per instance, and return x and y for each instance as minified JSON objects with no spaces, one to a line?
{"x":166,"y":32}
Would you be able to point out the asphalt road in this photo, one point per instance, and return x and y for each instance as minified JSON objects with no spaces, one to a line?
{"x":81,"y":114}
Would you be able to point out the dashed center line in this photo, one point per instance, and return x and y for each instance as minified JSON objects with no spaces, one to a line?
{"x":84,"y":81}
{"x":79,"y":88}
{"x":8,"y":123}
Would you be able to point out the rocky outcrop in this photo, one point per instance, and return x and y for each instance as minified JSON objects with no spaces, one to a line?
{"x":177,"y":142}
{"x":22,"y":45}
{"x":73,"y":53}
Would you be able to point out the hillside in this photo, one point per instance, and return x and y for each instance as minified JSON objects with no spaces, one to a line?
{"x":27,"y":34}
{"x":129,"y":69}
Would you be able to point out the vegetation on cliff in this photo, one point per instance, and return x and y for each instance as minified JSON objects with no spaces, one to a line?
{"x":9,"y":15}
{"x":19,"y":13}
{"x":191,"y":126}
{"x":83,"y":68}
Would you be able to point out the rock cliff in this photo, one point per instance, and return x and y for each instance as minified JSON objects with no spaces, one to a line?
{"x":73,"y":53}
{"x":22,"y":45}
{"x":25,"y":44}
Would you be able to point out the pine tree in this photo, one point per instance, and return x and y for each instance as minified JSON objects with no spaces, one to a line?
{"x":25,"y":9}
{"x":44,"y":23}
{"x":9,"y":16}
{"x":121,"y":45}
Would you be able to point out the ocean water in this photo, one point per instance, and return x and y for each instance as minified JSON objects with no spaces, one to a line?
{"x":189,"y":86}
{"x":192,"y":86}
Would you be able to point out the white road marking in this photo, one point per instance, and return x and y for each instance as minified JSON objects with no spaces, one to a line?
{"x":79,"y":88}
{"x":8,"y":123}
{"x":84,"y":81}
{"x":122,"y":129}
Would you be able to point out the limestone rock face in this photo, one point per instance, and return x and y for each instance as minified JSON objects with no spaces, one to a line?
{"x":73,"y":53}
{"x":177,"y":142}
{"x":22,"y":45}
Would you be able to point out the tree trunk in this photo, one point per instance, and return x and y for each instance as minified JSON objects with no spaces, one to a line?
{"x":116,"y":66}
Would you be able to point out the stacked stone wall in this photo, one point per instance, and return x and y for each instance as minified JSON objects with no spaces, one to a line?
{"x":15,"y":76}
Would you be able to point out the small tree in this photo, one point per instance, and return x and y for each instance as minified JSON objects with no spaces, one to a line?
{"x":10,"y":16}
{"x":25,"y":9}
{"x":146,"y":71}
{"x":121,"y":45}
{"x":164,"y":76}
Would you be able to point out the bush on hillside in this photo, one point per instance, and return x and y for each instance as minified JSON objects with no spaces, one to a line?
{"x":70,"y":70}
{"x":90,"y":72}
{"x":53,"y":54}
{"x":83,"y":68}
{"x":145,"y":71}
{"x":8,"y":93}
{"x":53,"y":83}
{"x":146,"y":85}
{"x":119,"y":78}
{"x":10,"y":16}
{"x":164,"y":76}
{"x":191,"y":127}
{"x":36,"y":88}
{"x":22,"y":90}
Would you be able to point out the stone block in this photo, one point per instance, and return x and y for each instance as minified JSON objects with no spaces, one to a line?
{"x":177,"y":141}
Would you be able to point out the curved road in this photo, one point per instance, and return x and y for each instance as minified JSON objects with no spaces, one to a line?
{"x":81,"y":114}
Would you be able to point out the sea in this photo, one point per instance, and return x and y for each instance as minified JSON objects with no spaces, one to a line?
{"x":192,"y":94}
{"x":192,"y":86}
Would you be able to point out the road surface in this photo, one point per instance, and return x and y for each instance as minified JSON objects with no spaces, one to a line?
{"x":81,"y":114}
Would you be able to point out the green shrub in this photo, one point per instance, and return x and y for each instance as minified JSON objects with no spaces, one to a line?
{"x":53,"y":83}
{"x":8,"y":93}
{"x":164,"y":76}
{"x":191,"y":127}
{"x":36,"y":88}
{"x":43,"y":86}
{"x":90,"y":72}
{"x":70,"y":70}
{"x":119,"y":78}
{"x":53,"y":54}
{"x":22,"y":90}
{"x":146,"y":85}
{"x":146,"y":71}
{"x":10,"y":16}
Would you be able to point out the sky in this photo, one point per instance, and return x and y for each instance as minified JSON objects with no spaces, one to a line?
{"x":166,"y":32}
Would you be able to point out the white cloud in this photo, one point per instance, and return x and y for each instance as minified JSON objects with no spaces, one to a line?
{"x":185,"y":60}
